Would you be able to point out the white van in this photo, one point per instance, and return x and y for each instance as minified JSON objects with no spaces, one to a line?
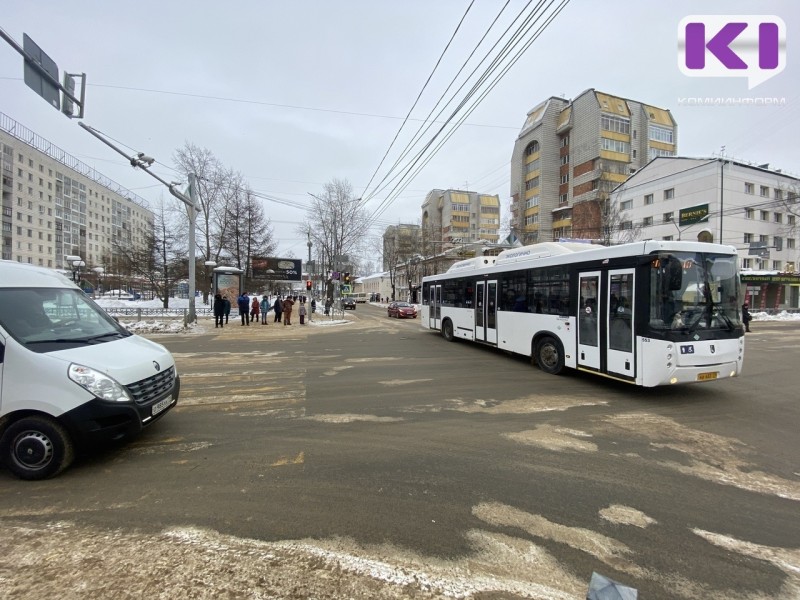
{"x":70,"y":375}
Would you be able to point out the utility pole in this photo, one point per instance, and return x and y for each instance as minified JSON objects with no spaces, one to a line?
{"x":144,"y":162}
{"x":309,"y":312}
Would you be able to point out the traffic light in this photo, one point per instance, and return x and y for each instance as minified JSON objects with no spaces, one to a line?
{"x":347,"y":277}
{"x":308,"y":284}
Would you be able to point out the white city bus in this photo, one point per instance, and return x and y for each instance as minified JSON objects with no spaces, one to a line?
{"x":648,"y":313}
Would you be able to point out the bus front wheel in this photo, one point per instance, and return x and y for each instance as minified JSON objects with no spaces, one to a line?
{"x":550,"y":355}
{"x":447,"y":330}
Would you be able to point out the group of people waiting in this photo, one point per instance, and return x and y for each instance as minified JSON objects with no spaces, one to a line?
{"x":256,"y":310}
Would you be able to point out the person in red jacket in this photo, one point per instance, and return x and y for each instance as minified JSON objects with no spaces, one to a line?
{"x":254,"y":310}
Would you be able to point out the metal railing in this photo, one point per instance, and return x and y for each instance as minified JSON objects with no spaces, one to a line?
{"x":169,"y":313}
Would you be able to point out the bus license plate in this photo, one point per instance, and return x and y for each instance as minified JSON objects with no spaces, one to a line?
{"x":706,"y":376}
{"x":160,"y":406}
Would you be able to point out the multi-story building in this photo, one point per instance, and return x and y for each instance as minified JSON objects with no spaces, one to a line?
{"x":53,"y":205}
{"x":753,"y":208}
{"x":459,"y":217}
{"x":399,"y":243}
{"x":570,"y":154}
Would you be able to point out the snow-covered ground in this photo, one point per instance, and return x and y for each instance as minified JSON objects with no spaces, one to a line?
{"x":160,"y":325}
{"x":175,"y":324}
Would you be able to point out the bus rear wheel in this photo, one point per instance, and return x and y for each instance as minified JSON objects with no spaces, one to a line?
{"x":550,"y":355}
{"x":447,"y":330}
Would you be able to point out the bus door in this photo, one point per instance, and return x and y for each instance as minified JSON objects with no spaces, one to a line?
{"x":620,"y":339}
{"x":435,"y":306}
{"x":486,"y":311}
{"x":588,"y":321}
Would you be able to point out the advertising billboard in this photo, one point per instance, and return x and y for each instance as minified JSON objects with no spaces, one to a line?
{"x":276,"y":269}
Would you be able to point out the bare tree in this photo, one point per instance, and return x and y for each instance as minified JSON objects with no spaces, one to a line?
{"x":160,"y":261}
{"x":336,"y":224}
{"x":249,"y":232}
{"x":615,"y":224}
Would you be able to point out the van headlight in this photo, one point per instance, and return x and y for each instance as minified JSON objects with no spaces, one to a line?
{"x":99,"y":384}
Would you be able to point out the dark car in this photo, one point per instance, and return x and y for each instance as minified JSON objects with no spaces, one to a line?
{"x":402,"y":310}
{"x":348,"y":303}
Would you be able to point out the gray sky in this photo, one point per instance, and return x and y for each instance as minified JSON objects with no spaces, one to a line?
{"x":294,"y":94}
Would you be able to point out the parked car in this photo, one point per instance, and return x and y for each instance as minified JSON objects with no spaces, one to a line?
{"x":348,"y":303}
{"x":402,"y":310}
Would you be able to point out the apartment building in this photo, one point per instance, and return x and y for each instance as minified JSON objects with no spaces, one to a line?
{"x":459,"y":217}
{"x":399,"y":242}
{"x":570,"y":154}
{"x":753,"y":208}
{"x":54,"y":205}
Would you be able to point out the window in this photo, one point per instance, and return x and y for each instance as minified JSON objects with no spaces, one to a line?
{"x":647,"y":221}
{"x":764,"y":238}
{"x":615,"y":123}
{"x":626,"y":205}
{"x":532,"y":183}
{"x":778,"y":243}
{"x":648,"y":199}
{"x":778,"y":194}
{"x":667,"y":238}
{"x":565,"y":159}
{"x":668,"y":218}
{"x":764,"y":190}
{"x":532,"y":166}
{"x":749,"y":213}
{"x":790,"y":220}
{"x":531,"y":202}
{"x":790,"y":243}
{"x":749,"y":188}
{"x":669,"y":194}
{"x":661,"y":134}
{"x":615,"y":145}
{"x":776,"y":265}
{"x":765,"y":215}
{"x":656,"y":152}
{"x":748,"y":238}
{"x":747,"y":263}
{"x":778,"y":217}
{"x":565,"y":141}
{"x":625,"y":225}
{"x":563,"y":198}
{"x":565,"y":178}
{"x":532,"y":148}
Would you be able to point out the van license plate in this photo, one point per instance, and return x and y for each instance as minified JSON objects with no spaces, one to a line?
{"x":700,"y":376}
{"x":160,"y":406}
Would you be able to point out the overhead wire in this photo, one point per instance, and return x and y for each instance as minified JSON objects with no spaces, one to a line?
{"x":409,"y":173}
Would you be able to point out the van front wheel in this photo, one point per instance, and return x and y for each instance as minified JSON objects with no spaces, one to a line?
{"x":36,"y":448}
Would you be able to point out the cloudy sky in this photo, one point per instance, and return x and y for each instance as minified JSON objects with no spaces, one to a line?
{"x":296,"y":93}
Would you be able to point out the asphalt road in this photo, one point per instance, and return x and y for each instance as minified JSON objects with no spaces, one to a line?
{"x":376,"y":460}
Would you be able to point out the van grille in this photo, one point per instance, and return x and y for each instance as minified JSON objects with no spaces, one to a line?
{"x":149,"y":389}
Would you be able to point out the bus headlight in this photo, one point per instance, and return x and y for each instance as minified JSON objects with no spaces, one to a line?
{"x":99,"y":384}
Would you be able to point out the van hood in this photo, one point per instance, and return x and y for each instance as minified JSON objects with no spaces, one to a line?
{"x":127,"y":360}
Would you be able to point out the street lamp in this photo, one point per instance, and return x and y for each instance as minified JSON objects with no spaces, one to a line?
{"x":310,"y":278}
{"x":76,"y":262}
{"x":99,"y":271}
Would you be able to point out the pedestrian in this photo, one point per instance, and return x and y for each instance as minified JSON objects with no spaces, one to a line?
{"x":746,"y":317}
{"x":287,"y":310}
{"x":278,"y":308}
{"x":219,"y":310}
{"x":243,"y":301}
{"x":302,"y":312}
{"x":265,"y":306}
{"x":255,"y":310}
{"x":313,"y":306}
{"x":227,"y":304}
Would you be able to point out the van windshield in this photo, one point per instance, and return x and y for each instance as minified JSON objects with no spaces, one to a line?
{"x":46,"y":319}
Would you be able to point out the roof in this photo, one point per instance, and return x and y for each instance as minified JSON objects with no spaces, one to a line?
{"x":21,"y":275}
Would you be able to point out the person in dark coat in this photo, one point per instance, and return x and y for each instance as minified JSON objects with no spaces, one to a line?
{"x":227,"y":304}
{"x":219,"y":311}
{"x":278,"y":308}
{"x":243,"y":301}
{"x":746,"y":318}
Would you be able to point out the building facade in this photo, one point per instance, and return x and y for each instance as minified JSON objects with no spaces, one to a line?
{"x":53,"y":205}
{"x":399,"y":242}
{"x":753,"y":208}
{"x":451,"y":217}
{"x":569,"y":155}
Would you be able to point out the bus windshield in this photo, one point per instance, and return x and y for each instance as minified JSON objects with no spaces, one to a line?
{"x":692,"y":291}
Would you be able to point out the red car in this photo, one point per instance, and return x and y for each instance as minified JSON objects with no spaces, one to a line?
{"x":402,"y":310}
